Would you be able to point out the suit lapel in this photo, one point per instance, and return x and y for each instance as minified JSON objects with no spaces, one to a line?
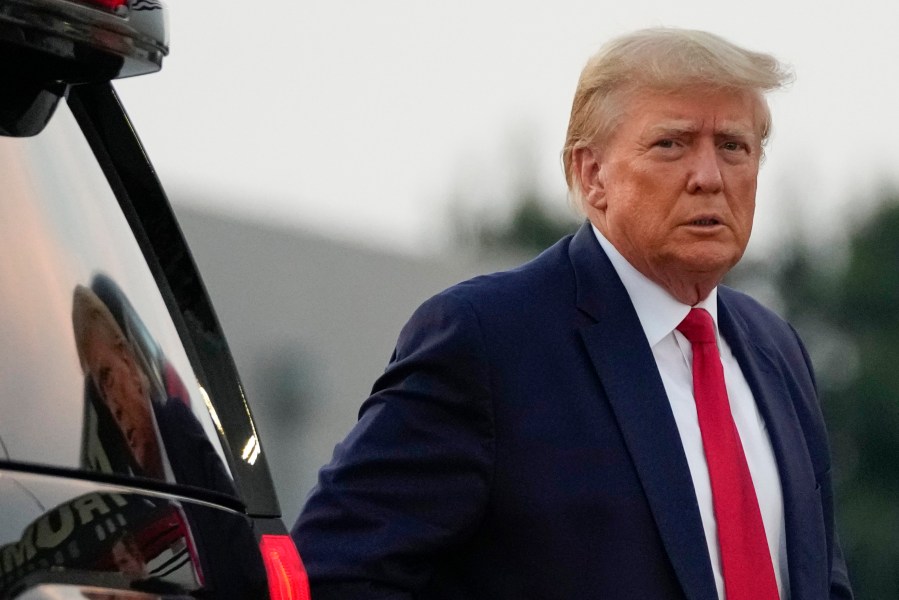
{"x":623,"y":360}
{"x":804,"y":528}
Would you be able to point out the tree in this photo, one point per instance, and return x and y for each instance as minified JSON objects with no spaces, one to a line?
{"x":531,"y":227}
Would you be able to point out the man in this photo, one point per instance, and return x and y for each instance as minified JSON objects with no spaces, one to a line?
{"x":146,"y":409}
{"x":567,"y":429}
{"x":129,"y":559}
{"x":114,"y":372}
{"x":150,"y":420}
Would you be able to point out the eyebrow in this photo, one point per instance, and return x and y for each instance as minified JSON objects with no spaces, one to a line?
{"x":676,"y":128}
{"x":673,"y":128}
{"x":735,"y":132}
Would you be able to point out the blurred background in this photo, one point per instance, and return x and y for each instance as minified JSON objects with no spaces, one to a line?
{"x":334,"y":164}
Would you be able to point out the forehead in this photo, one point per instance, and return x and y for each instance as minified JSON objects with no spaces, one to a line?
{"x":694,"y":110}
{"x":99,"y":338}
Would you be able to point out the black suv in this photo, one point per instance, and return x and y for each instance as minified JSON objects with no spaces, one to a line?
{"x":130,"y":467}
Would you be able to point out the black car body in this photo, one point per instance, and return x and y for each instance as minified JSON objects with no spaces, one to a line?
{"x":130,"y":466}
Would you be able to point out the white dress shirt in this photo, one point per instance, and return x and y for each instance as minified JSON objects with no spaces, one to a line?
{"x":660,"y":314}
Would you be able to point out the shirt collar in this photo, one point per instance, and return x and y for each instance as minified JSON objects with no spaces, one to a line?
{"x":659,"y":312}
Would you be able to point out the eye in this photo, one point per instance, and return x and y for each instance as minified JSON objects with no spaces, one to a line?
{"x":671,"y":147}
{"x":733,"y":146}
{"x":103,"y":380}
{"x":103,"y":377}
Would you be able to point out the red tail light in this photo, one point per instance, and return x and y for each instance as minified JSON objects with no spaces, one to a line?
{"x":110,"y":5}
{"x":286,"y":576}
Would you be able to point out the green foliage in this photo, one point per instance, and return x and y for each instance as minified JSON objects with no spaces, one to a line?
{"x":867,"y":411}
{"x":531,"y":227}
{"x":849,"y":318}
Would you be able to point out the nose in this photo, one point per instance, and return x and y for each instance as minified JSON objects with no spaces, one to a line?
{"x":705,"y":175}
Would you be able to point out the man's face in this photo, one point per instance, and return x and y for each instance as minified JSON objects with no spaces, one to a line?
{"x":115,"y":373}
{"x":674,"y":188}
{"x":128,"y":561}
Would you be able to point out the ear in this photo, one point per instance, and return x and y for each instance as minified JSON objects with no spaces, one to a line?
{"x":588,"y":171}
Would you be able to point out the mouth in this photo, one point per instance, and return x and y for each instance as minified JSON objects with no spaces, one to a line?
{"x":705,"y":222}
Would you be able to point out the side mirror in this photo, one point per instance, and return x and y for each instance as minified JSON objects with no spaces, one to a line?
{"x":26,"y":106}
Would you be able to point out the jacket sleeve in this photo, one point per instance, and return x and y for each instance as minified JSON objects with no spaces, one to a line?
{"x":412,"y":478}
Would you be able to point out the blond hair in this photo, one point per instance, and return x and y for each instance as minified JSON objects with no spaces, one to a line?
{"x":664,"y":60}
{"x":89,"y":312}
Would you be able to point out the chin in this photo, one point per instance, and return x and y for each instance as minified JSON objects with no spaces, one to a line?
{"x":144,"y":453}
{"x":713,"y":261}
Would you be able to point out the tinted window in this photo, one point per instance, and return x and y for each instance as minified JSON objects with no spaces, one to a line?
{"x":92,"y":371}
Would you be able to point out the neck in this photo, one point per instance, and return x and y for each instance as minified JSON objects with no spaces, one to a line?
{"x":690,"y":293}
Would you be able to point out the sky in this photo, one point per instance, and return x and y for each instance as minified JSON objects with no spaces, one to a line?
{"x":374,"y":121}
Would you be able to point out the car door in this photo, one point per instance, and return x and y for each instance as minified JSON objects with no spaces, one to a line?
{"x":130,"y":465}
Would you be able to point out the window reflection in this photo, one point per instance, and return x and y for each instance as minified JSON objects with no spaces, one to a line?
{"x":60,"y":226}
{"x":147,"y":542}
{"x":137,"y":409}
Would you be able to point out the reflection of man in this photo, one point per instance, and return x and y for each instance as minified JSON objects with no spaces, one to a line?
{"x":147,"y":405}
{"x":110,"y":362}
{"x":129,"y":559}
{"x":128,"y":376}
{"x":570,"y":429}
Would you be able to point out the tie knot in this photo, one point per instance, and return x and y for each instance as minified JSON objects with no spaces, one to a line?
{"x":698,"y":326}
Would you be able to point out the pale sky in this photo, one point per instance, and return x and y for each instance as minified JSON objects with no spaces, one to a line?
{"x":362,"y":118}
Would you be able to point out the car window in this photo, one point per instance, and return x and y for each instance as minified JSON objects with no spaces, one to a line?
{"x":93,"y":375}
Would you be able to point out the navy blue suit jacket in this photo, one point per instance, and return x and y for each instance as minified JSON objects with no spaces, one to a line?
{"x":521,"y":445}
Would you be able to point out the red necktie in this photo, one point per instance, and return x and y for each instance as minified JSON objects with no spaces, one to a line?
{"x":745,"y":558}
